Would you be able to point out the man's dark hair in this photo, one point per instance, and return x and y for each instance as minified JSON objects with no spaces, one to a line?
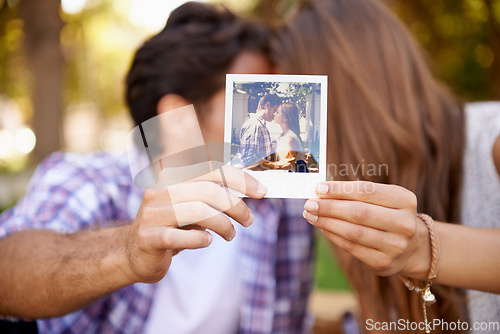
{"x":190,"y":56}
{"x":272,"y":98}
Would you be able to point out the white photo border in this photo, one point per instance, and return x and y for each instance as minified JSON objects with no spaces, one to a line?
{"x":282,"y":184}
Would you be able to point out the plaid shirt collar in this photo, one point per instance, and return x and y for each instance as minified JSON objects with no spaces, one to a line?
{"x":261,"y":120}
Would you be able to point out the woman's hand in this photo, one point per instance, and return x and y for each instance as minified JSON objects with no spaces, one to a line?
{"x":376,"y":223}
{"x":174,"y":218}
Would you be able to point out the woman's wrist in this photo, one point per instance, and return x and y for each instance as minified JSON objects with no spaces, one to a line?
{"x":420,"y":260}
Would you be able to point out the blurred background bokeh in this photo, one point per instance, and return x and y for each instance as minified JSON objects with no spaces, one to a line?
{"x":62,"y":66}
{"x":63,"y":62}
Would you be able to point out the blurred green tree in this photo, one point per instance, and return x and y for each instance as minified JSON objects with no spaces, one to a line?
{"x":255,"y":90}
{"x":461,"y":38}
{"x":91,"y":50}
{"x":11,"y":54}
{"x":51,"y":60}
{"x":297,"y":92}
{"x":98,"y":42}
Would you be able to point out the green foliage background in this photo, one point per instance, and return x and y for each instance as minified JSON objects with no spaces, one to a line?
{"x":295,"y":92}
{"x":461,"y":38}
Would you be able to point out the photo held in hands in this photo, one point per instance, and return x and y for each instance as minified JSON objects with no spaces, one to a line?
{"x":276,"y":127}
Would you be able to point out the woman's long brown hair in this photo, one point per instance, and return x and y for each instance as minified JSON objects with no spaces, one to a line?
{"x":385,"y":111}
{"x":291,"y":112}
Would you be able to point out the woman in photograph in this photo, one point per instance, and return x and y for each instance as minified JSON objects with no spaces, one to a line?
{"x":386,"y":108}
{"x":289,"y":146}
{"x":289,"y":151}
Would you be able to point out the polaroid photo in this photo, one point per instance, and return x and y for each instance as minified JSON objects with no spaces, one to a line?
{"x":276,"y":127}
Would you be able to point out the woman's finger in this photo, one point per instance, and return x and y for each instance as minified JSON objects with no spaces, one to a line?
{"x":388,"y":195}
{"x":377,"y":260}
{"x":362,"y":213}
{"x":365,"y":236}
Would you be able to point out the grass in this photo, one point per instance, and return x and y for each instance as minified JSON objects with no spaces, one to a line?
{"x":327,"y":273}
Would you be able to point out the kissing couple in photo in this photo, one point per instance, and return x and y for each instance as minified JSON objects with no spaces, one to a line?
{"x":257,"y":151}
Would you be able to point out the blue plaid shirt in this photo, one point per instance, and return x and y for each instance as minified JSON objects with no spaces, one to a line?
{"x":255,"y":141}
{"x":70,"y":192}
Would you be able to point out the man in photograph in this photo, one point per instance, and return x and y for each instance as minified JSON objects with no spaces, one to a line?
{"x":255,"y":139}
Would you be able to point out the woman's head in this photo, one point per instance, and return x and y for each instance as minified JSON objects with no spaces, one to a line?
{"x":384,"y":109}
{"x":288,"y":114}
{"x":381,"y":95}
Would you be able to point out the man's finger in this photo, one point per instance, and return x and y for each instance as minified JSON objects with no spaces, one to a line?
{"x":173,"y":238}
{"x":214,"y":195}
{"x":201,"y":214}
{"x":163,"y":238}
{"x":188,"y":214}
{"x":236,"y":179}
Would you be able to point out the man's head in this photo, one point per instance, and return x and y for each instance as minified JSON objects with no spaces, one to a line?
{"x":267,"y":106}
{"x":187,"y":61}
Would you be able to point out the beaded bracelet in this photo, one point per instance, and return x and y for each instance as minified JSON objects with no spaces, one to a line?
{"x":427,"y":297}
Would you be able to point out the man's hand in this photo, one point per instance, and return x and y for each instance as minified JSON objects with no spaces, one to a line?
{"x":174,"y":218}
{"x":47,"y":274}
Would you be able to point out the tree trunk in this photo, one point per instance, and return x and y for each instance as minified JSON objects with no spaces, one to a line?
{"x":494,"y":81}
{"x":42,"y":27}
